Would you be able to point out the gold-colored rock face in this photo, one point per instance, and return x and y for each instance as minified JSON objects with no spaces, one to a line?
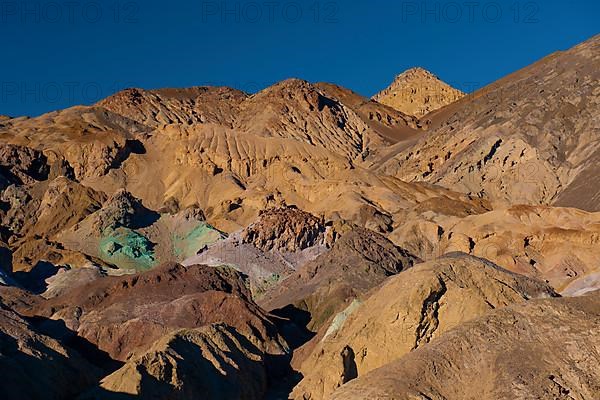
{"x":407,"y":312}
{"x":539,"y":349}
{"x":418,"y":92}
{"x":529,"y":138}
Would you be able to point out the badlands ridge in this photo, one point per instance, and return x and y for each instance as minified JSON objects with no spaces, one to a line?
{"x":306,"y":242}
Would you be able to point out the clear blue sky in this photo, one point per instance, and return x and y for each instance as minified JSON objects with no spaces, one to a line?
{"x":61,"y":53}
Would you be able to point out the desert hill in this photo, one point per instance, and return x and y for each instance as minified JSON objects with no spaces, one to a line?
{"x":418,"y":92}
{"x":528,"y":138}
{"x":515,"y":352}
{"x":306,"y":241}
{"x":155,"y":108}
{"x":125,"y":315}
{"x":214,"y":361}
{"x":407,"y":312}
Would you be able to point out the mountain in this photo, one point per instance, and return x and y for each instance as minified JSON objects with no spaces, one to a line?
{"x":528,"y":138}
{"x":406,"y":313}
{"x":323,"y":118}
{"x":307,"y":241}
{"x":214,"y":361}
{"x":534,"y":350}
{"x":418,"y":92}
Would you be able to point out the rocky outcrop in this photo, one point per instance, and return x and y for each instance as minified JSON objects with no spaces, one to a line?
{"x":535,"y":350}
{"x":418,"y":92}
{"x":20,"y":208}
{"x":285,"y":229}
{"x":126,"y":315}
{"x":280,"y":241}
{"x":212,"y":362}
{"x":359,"y":260}
{"x":407,"y":312}
{"x":121,"y":210}
{"x":21,"y":165}
{"x":37,"y":366}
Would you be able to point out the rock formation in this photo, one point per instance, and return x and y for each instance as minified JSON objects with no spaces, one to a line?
{"x":273,"y":247}
{"x":285,"y":229}
{"x":418,"y":92}
{"x":302,"y":240}
{"x":407,"y":312}
{"x":514,"y":352}
{"x":211,"y":362}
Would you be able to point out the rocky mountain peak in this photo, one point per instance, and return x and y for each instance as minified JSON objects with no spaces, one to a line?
{"x":417,"y":92}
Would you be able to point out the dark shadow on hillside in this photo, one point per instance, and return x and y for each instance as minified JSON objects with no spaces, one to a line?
{"x":7,"y":178}
{"x":31,"y":377}
{"x":101,"y":393}
{"x":58,"y":330}
{"x":143,"y":217}
{"x":6,"y":259}
{"x":132,"y":146}
{"x":237,"y":377}
{"x":292,"y":324}
{"x":51,"y":376}
{"x":35,"y":280}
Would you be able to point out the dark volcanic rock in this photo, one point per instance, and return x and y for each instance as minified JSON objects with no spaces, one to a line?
{"x":285,"y":229}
